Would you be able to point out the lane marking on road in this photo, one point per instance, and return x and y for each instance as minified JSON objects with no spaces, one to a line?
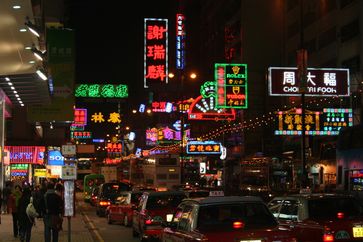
{"x":94,"y":229}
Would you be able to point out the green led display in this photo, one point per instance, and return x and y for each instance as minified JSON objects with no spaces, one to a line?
{"x":101,"y":91}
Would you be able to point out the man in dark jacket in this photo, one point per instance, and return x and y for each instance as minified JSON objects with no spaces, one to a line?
{"x":51,"y":205}
{"x":25,"y":222}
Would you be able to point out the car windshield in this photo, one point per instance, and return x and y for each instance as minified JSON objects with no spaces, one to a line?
{"x":222,"y":217}
{"x":329,"y":207}
{"x":164,"y":201}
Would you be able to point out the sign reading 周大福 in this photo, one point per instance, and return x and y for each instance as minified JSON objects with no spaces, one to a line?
{"x":283,"y":81}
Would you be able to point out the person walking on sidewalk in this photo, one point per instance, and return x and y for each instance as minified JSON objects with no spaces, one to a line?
{"x":13,"y":203}
{"x":52,"y":206}
{"x":25,"y":222}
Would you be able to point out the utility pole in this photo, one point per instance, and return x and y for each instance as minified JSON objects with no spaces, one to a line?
{"x":302,"y":57}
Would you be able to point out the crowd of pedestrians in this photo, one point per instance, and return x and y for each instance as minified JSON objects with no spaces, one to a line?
{"x":48,"y":202}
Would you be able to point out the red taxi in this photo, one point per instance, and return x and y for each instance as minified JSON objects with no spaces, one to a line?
{"x":320,"y":217}
{"x":122,"y":210}
{"x":153,"y":209}
{"x":224,"y":219}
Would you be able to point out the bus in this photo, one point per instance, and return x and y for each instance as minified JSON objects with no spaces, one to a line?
{"x":89,"y":182}
{"x":349,"y":157}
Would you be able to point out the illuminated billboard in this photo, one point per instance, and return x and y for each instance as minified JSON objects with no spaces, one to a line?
{"x":155,"y":51}
{"x":283,"y":81}
{"x":101,"y":91}
{"x":26,"y":154}
{"x":204,"y":147}
{"x":180,"y":41}
{"x":326,"y":122}
{"x":231,"y":85}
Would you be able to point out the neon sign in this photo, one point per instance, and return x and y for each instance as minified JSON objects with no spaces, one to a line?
{"x":328,"y":122}
{"x":101,"y":91}
{"x":204,"y":108}
{"x":155,"y":50}
{"x":26,"y":154}
{"x":164,"y":135}
{"x":113,"y":117}
{"x":283,"y":81}
{"x":19,"y":169}
{"x":55,"y":157}
{"x":180,"y":41}
{"x":80,"y":116}
{"x":204,"y":147}
{"x":231,"y":85}
{"x":81,"y":135}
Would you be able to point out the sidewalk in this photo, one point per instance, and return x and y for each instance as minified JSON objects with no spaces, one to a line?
{"x":79,"y":230}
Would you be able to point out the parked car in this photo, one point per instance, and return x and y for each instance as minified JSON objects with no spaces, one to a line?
{"x":224,"y":218}
{"x":107,"y":195}
{"x":320,"y":217}
{"x":122,"y":210}
{"x":152,"y":210}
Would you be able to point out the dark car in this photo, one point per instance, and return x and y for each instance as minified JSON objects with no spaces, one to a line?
{"x":94,"y":194}
{"x":320,"y":217}
{"x":224,"y":219}
{"x":107,"y":195}
{"x":153,"y":209}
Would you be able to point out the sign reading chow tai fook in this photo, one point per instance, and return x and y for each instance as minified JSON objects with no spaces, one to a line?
{"x":284,"y":81}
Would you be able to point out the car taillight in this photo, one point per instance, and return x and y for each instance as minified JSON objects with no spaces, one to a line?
{"x":238,"y":225}
{"x":105,"y":203}
{"x":340,"y":215}
{"x":148,"y":221}
{"x":327,"y":236}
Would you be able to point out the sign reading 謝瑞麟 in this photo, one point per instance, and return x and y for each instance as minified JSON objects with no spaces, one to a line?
{"x":284,"y":81}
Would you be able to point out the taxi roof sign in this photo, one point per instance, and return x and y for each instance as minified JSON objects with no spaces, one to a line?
{"x":216,"y":193}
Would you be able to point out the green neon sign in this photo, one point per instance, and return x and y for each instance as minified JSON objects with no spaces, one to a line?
{"x":101,"y":91}
{"x":231,"y":85}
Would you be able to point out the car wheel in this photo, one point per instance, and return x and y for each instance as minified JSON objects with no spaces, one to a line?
{"x":109,"y":221}
{"x":126,"y":221}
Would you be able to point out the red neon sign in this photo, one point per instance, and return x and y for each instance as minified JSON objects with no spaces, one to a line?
{"x":155,"y":51}
{"x":80,"y":116}
{"x":203,"y":109}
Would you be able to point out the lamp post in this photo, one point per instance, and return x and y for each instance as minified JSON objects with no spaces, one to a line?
{"x":182,"y":76}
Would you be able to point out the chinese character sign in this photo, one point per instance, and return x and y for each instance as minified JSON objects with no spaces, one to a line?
{"x":328,"y":122}
{"x":80,"y":116}
{"x":204,"y":147}
{"x":180,"y":41}
{"x":284,"y":81}
{"x":155,"y":51}
{"x":101,"y":91}
{"x":231,"y":85}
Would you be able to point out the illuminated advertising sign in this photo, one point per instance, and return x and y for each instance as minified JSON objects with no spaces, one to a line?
{"x":80,"y":116}
{"x":76,"y":128}
{"x":180,"y":41}
{"x":40,"y":172}
{"x":204,"y":108}
{"x":55,"y":158}
{"x":231,"y":85}
{"x":328,"y":122}
{"x":26,"y":154}
{"x":19,"y":169}
{"x":155,"y":51}
{"x":99,"y":117}
{"x":204,"y":147}
{"x":283,"y":81}
{"x":101,"y":91}
{"x":81,"y":135}
{"x":164,"y":135}
{"x":161,"y":107}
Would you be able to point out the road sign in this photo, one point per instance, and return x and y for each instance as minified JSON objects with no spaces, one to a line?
{"x":69,"y":173}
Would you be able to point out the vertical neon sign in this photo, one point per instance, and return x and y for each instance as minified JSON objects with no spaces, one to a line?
{"x":155,"y":50}
{"x":180,"y":41}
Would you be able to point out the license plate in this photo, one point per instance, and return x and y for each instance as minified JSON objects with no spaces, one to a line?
{"x":357,"y":232}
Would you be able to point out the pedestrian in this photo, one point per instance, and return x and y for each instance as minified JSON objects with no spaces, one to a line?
{"x":13,"y":203}
{"x":25,"y":222}
{"x":52,"y":207}
{"x":6,"y":195}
